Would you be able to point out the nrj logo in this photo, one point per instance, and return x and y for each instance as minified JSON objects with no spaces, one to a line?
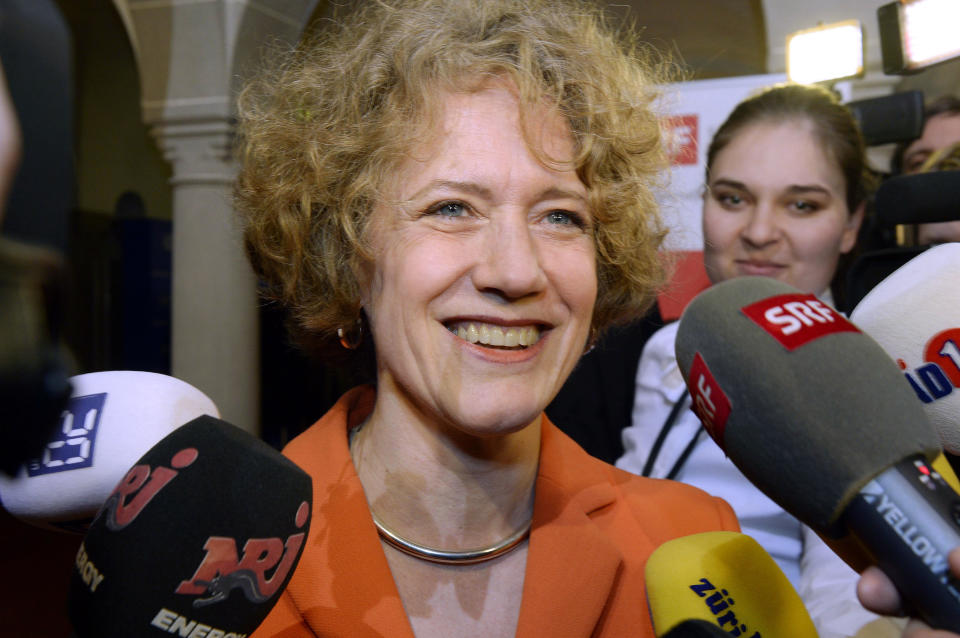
{"x":222,"y":570}
{"x":139,"y":486}
{"x":940,"y":373}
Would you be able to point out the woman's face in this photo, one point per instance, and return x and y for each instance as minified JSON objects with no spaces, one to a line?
{"x":484,"y":276}
{"x":776,"y":206}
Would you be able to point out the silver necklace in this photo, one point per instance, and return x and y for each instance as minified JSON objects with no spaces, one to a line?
{"x":447,"y":557}
{"x":443,"y":556}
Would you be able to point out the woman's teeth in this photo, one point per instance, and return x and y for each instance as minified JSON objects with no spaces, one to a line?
{"x":493,"y":335}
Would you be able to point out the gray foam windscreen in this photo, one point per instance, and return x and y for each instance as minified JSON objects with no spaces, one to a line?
{"x":807,"y":406}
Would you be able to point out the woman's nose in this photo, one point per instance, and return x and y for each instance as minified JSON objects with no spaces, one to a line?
{"x":510,"y":263}
{"x":760,"y":226}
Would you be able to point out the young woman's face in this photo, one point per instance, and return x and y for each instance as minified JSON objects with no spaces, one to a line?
{"x":482,"y":289}
{"x":776,"y":206}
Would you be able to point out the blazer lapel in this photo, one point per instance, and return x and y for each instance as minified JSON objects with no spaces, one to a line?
{"x":572,"y":566}
{"x":347,"y":589}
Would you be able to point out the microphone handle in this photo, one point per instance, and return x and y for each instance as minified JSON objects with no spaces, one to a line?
{"x":696,"y":628}
{"x":908,"y":519}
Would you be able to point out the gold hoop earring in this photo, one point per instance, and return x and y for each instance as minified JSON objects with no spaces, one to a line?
{"x":351,"y":341}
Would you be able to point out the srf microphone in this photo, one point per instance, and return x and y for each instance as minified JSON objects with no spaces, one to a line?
{"x":199,"y":538}
{"x":819,"y":417}
{"x":110,"y":420}
{"x":724,"y":579}
{"x":915,"y":315}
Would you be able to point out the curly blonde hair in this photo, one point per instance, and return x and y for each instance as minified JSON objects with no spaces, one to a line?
{"x":323,"y":126}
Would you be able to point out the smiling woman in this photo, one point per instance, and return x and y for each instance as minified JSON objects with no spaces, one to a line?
{"x":470,"y":182}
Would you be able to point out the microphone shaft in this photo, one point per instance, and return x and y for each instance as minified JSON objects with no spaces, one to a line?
{"x":907,"y":519}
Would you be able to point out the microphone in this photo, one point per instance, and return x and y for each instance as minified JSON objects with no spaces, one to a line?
{"x":35,"y":206}
{"x":696,"y":629}
{"x":110,"y":420}
{"x":922,"y":198}
{"x":915,"y":315}
{"x":818,"y":417}
{"x":199,"y":538}
{"x":725,"y":581}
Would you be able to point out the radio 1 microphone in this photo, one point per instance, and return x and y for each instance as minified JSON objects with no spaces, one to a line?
{"x":923,"y":198}
{"x":110,"y":420}
{"x":726,"y":580}
{"x":199,"y":538}
{"x":819,"y":417}
{"x":915,"y":315}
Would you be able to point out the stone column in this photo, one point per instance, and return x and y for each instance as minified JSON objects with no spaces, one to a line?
{"x":215,"y":344}
{"x":191,"y":54}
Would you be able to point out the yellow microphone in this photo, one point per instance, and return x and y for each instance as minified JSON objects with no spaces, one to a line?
{"x":727,"y":579}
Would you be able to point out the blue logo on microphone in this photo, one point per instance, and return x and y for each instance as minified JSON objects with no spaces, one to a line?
{"x":940,"y":373}
{"x":71,"y":447}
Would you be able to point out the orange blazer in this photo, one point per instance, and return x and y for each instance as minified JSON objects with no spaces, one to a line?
{"x":593,"y":528}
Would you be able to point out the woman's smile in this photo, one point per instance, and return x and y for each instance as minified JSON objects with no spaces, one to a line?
{"x":494,"y":335}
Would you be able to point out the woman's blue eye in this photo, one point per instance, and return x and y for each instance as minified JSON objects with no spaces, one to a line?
{"x":564,"y":217}
{"x":450,"y":209}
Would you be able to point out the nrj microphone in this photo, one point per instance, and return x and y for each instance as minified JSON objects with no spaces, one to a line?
{"x":110,"y":420}
{"x":725,"y":579}
{"x":915,"y":315}
{"x":199,"y":538}
{"x":820,"y":418}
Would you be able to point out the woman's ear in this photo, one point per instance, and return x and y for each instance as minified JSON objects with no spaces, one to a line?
{"x":852,"y":229}
{"x":364,"y":274}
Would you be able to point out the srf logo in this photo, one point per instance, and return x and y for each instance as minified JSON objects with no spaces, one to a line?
{"x":797,"y":319}
{"x":680,"y":137}
{"x":710,"y":404}
{"x":222,"y":570}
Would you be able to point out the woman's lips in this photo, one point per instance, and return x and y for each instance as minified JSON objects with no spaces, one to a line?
{"x":759,"y":268}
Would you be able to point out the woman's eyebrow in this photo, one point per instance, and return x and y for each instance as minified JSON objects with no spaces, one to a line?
{"x":729,"y":183}
{"x":809,"y":188}
{"x":473,"y":188}
{"x":554,"y":192}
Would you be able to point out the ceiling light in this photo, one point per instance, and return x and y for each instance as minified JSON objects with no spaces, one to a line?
{"x":825,"y":53}
{"x":915,"y":34}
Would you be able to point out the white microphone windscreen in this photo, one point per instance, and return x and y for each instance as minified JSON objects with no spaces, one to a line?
{"x":111,"y":420}
{"x":915,"y":315}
